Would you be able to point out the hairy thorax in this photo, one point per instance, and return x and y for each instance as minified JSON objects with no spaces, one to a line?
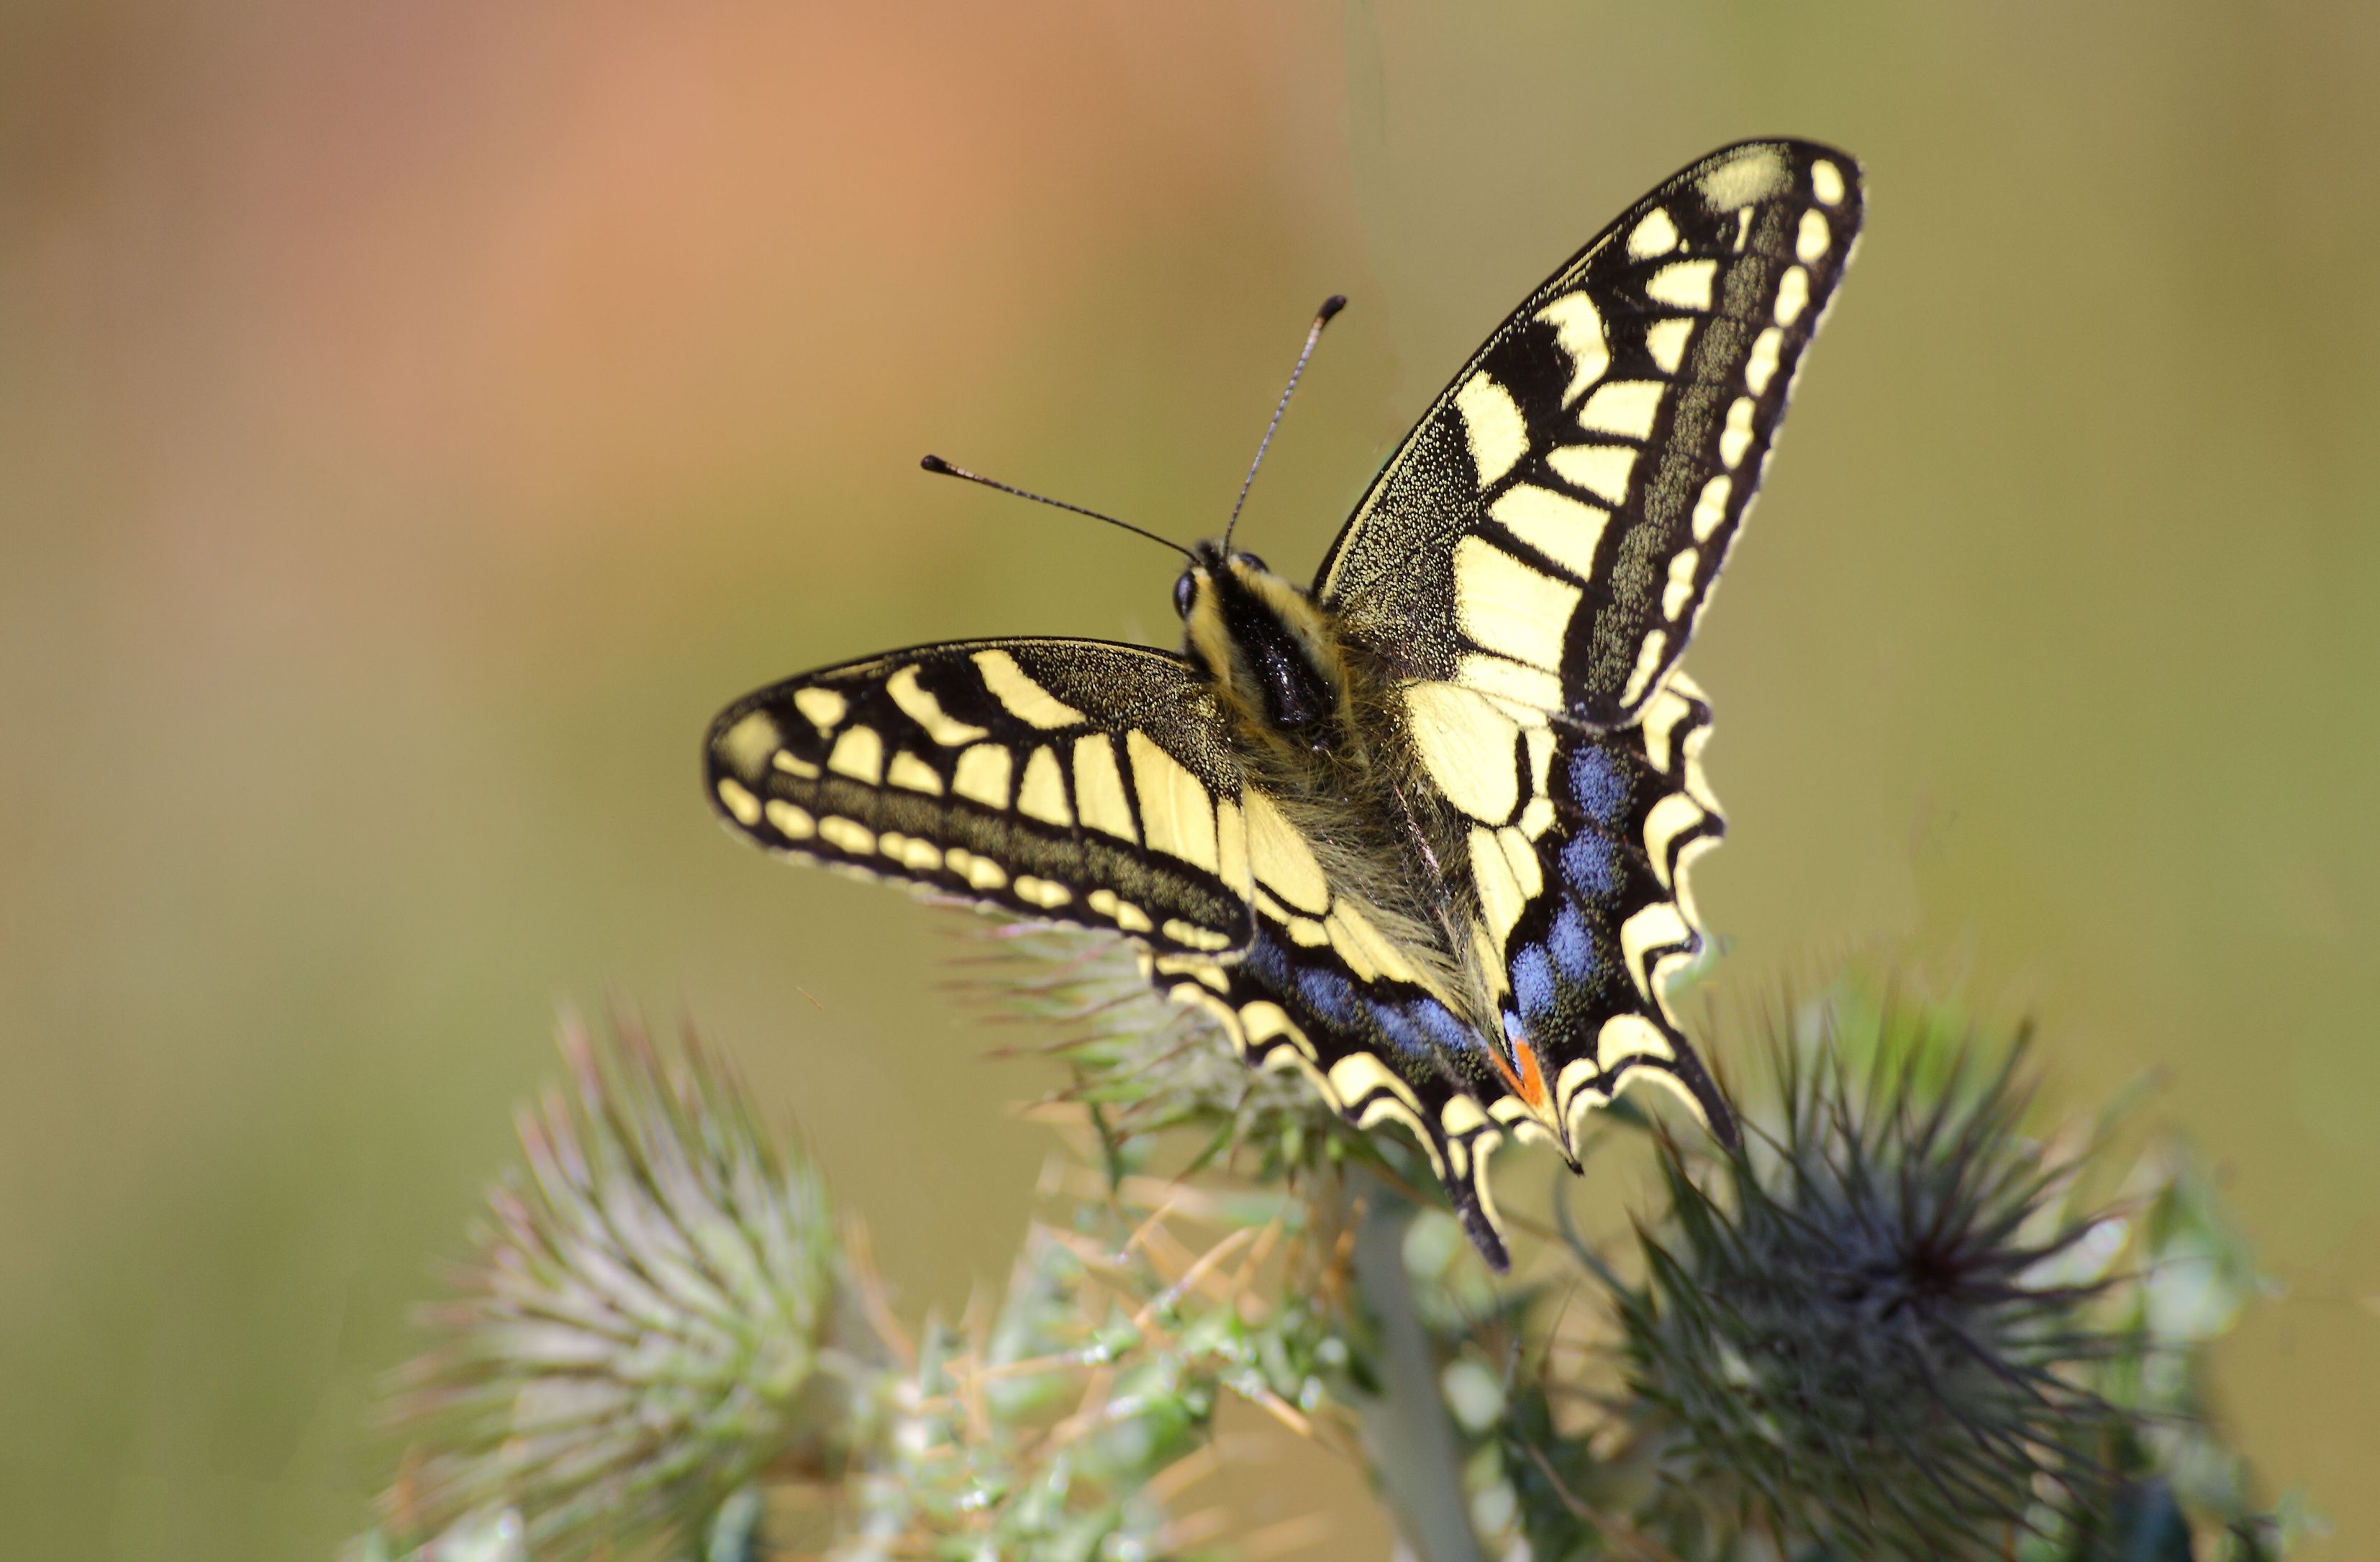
{"x":1320,"y":731}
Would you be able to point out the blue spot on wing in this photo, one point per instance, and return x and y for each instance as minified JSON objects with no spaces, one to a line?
{"x":1532,"y":983}
{"x":1450,"y":1034}
{"x":1597,"y":785}
{"x":1588,"y":865}
{"x":1573,"y":949}
{"x":1268,"y":963}
{"x":1397,"y":1022}
{"x":1330,"y":995}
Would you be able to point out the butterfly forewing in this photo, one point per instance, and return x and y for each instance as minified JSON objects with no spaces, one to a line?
{"x":1549,"y":532}
{"x":1507,"y":605}
{"x":1071,"y":779}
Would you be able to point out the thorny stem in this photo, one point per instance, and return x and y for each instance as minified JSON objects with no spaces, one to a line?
{"x":1407,"y":1434}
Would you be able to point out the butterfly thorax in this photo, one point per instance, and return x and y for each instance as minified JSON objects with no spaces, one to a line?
{"x":1272,"y":653}
{"x":1310,"y":713}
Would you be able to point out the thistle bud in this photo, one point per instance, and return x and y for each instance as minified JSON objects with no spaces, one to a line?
{"x":1871,"y":1326}
{"x":657,"y":1310}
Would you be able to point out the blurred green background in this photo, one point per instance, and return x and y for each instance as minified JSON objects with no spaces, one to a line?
{"x":417,"y":418}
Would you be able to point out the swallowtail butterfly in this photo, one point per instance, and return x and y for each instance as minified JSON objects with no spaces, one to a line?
{"x":1421,"y":829}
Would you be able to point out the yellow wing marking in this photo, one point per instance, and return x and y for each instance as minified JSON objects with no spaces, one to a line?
{"x":1736,"y":436}
{"x":1099,"y":787}
{"x":1176,"y":813}
{"x":1684,"y":284}
{"x":1793,"y":296}
{"x":1648,"y":662}
{"x":1810,"y":241}
{"x":823,"y":706}
{"x":1711,"y":508}
{"x":1604,"y":470}
{"x":983,"y":774}
{"x":980,"y":871}
{"x":1047,"y":893}
{"x":1122,"y":913}
{"x":1561,"y":527}
{"x":749,"y":743}
{"x":1500,"y":899}
{"x":1672,"y":816}
{"x":1280,"y":858}
{"x":858,"y":754}
{"x":1468,"y":746}
{"x":1657,"y":234}
{"x":1761,"y":367}
{"x":1654,"y":927}
{"x":1683,"y":567}
{"x":1578,"y":327}
{"x":1529,"y":688}
{"x":1753,"y":174}
{"x":1626,"y":407}
{"x":913,"y":774}
{"x":920,"y":706}
{"x":849,"y":835}
{"x":1043,"y":795}
{"x":1024,"y":698}
{"x":792,"y":822}
{"x":739,"y":802}
{"x":1666,"y":340}
{"x":1510,"y":607}
{"x":1232,"y":846}
{"x":1492,"y":422}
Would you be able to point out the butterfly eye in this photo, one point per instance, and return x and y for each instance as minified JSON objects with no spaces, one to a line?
{"x":1249,"y":559}
{"x":1185,"y":589}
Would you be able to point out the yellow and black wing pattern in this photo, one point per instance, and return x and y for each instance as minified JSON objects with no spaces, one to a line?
{"x":1075,"y":780}
{"x":1423,"y":831}
{"x":1551,"y":531}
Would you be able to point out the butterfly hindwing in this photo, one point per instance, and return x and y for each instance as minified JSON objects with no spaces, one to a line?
{"x":1591,"y":943}
{"x":1075,"y":780}
{"x":1551,"y":529}
{"x":1422,"y":834}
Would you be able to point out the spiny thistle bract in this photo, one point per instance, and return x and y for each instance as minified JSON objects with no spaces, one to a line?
{"x":1890,"y":1328}
{"x":1869,"y":1320}
{"x":657,"y":1310}
{"x":1892,"y":1324}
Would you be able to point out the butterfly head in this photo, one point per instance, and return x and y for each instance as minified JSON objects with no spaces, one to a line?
{"x":1270,"y":650}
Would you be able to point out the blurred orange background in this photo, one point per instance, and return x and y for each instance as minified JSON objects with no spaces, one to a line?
{"x":418,"y":418}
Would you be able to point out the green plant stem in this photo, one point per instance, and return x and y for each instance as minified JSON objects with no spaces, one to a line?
{"x":1415,"y":1460}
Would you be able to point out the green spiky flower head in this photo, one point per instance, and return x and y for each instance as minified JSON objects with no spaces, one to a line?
{"x":657,"y":1309}
{"x":1870,"y":1324}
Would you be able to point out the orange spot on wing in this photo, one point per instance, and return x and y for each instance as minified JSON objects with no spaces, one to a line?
{"x":1529,"y":1084}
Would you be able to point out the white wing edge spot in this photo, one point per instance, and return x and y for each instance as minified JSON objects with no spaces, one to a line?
{"x":1736,"y":438}
{"x":1648,"y":662}
{"x":739,"y":801}
{"x":823,"y":706}
{"x":1761,"y":367}
{"x":1657,"y":234}
{"x":1711,"y":508}
{"x":1811,"y":239}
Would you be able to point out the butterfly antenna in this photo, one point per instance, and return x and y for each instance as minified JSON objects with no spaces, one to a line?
{"x":1330,"y":305}
{"x":937,"y":465}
